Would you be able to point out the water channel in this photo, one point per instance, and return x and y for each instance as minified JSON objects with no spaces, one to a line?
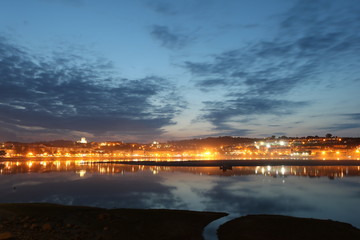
{"x":326,"y":192}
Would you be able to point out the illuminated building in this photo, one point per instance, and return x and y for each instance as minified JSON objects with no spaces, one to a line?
{"x":82,"y":140}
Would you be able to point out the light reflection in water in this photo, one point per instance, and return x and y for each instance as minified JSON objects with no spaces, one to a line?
{"x":82,"y":167}
{"x":319,"y":192}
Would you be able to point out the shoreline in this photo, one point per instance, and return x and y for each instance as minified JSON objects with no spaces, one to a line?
{"x":227,"y":164}
{"x":43,"y":221}
{"x":280,"y":227}
{"x":23,"y":221}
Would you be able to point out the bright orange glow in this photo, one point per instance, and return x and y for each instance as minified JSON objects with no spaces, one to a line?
{"x":318,"y":148}
{"x":207,"y":153}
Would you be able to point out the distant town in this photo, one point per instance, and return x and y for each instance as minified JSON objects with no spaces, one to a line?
{"x":312,"y":147}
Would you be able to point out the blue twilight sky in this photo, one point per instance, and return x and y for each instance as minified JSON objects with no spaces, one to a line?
{"x":141,"y":70}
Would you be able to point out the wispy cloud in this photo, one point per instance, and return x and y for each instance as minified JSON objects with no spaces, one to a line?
{"x":65,"y":92}
{"x":169,"y":39}
{"x":314,"y":36}
{"x":163,"y":7}
{"x":342,"y":126}
{"x":351,"y":122}
{"x":184,"y":7}
{"x":353,"y":116}
{"x":220,"y":113}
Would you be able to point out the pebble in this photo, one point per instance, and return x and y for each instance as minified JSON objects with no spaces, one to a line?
{"x":33,"y":226}
{"x":46,"y":227}
{"x":6,"y":236}
{"x":102,"y":216}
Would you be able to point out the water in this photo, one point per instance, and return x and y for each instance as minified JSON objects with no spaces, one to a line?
{"x":316,"y":192}
{"x":210,"y":231}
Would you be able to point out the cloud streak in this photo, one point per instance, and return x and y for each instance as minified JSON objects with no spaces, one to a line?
{"x":222,"y":112}
{"x":259,"y":77}
{"x":168,"y":38}
{"x":75,"y":94}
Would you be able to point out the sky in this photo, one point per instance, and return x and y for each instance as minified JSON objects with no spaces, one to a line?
{"x":144,"y":70}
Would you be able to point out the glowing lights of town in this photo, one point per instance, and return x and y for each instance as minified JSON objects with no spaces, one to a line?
{"x":271,"y":148}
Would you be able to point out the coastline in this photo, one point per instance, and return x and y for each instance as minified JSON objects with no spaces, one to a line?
{"x":279,"y":227}
{"x":202,"y":162}
{"x":242,"y":163}
{"x":23,"y":221}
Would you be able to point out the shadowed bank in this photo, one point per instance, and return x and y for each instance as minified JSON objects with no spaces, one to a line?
{"x":274,"y":227}
{"x":50,"y":221}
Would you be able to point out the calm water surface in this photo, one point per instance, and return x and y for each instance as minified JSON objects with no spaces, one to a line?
{"x":318,"y":192}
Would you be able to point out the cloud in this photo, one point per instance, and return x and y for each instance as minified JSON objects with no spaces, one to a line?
{"x":184,"y":7}
{"x":207,"y":84}
{"x":342,"y":126}
{"x":211,"y":83}
{"x":226,"y":130}
{"x":315,"y":38}
{"x":69,"y":93}
{"x":278,"y":134}
{"x":167,"y":38}
{"x":221,"y":113}
{"x":232,"y":26}
{"x":353,"y":116}
{"x":347,"y":124}
{"x":163,"y":7}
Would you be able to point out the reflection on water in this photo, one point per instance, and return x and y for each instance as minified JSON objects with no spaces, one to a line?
{"x":82,"y":167}
{"x":319,"y":192}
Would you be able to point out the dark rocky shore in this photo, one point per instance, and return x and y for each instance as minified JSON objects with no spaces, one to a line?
{"x":55,"y":222}
{"x":273,"y":227}
{"x":41,"y":221}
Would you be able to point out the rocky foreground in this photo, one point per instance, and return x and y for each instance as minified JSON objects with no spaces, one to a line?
{"x":55,"y":222}
{"x":58,"y":222}
{"x":272,"y":227}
